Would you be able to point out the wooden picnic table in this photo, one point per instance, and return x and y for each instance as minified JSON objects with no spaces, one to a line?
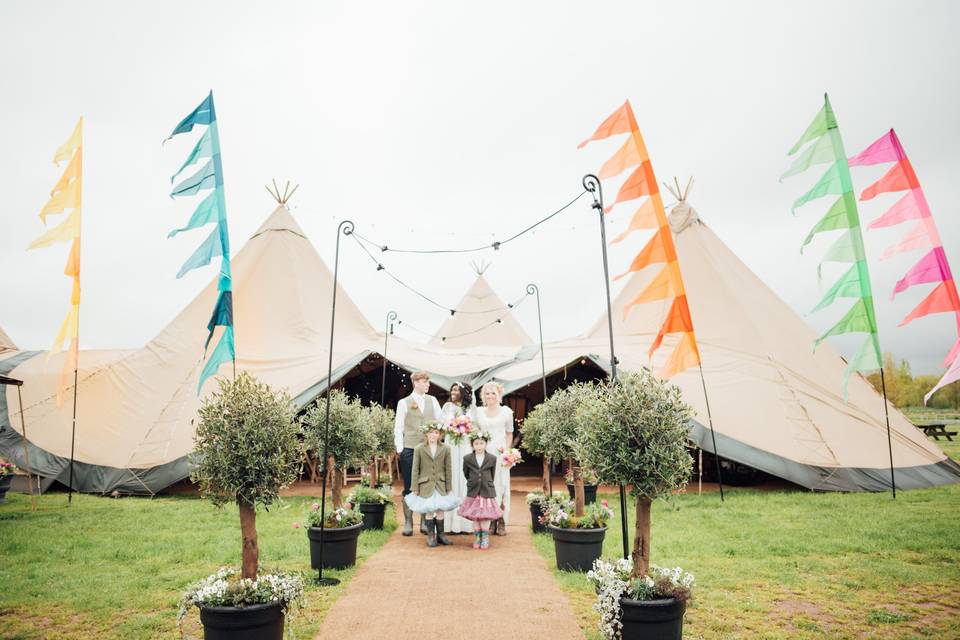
{"x":938,"y":429}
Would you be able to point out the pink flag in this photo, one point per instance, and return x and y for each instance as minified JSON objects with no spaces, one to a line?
{"x":886,"y":149}
{"x":952,"y":375}
{"x":930,"y":268}
{"x":922,"y":236}
{"x":910,"y":207}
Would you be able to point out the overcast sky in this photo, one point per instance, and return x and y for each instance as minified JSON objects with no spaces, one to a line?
{"x":449,"y":124}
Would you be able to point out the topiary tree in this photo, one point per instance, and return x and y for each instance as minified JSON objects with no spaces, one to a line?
{"x":638,"y":436}
{"x":246,"y":449}
{"x":533,"y":429}
{"x":380,"y":422}
{"x":352,"y":442}
{"x":565,"y":419}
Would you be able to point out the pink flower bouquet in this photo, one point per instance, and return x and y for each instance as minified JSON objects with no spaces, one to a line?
{"x":459,"y":428}
{"x":511,"y":457}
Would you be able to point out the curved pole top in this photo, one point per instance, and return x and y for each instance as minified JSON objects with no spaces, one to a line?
{"x":532,"y":289}
{"x":592,"y":184}
{"x":346,"y":227}
{"x":391,"y":316}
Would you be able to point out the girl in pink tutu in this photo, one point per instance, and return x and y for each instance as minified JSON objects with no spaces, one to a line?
{"x":480,"y":505}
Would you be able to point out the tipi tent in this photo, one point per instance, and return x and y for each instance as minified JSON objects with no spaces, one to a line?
{"x":481,"y":319}
{"x":777,"y":406}
{"x":137,"y":408}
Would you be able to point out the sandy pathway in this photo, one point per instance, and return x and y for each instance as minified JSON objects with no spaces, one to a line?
{"x":408,"y":591}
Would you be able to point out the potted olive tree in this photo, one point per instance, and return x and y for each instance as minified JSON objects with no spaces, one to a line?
{"x":370,"y":497}
{"x":351,"y":442}
{"x":532,"y":430}
{"x":246,"y":449}
{"x":638,"y":437}
{"x":577,"y":536}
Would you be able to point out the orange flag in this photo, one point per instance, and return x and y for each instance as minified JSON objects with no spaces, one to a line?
{"x":900,"y":177}
{"x":660,"y":249}
{"x":644,"y":218}
{"x":620,"y":121}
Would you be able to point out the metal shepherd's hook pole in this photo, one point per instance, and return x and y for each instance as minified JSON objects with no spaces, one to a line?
{"x":387,"y":332}
{"x":345,"y":228}
{"x":592,"y":184}
{"x":533,"y":289}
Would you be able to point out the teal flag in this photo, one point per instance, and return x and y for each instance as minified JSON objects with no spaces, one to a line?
{"x":211,"y":209}
{"x":827,"y":146}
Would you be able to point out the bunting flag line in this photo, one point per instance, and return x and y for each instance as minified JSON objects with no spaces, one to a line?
{"x":827,"y":147}
{"x":933,"y":266}
{"x":667,"y":285}
{"x":211,"y":210}
{"x":66,"y":195}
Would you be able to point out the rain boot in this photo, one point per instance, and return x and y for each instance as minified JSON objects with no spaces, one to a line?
{"x":407,"y":520}
{"x":431,"y":532}
{"x":423,"y":525}
{"x":441,"y":536}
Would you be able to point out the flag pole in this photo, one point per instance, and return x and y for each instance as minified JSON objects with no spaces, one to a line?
{"x":886,"y":413}
{"x":346,"y":228}
{"x":713,"y":435}
{"x":592,"y":184}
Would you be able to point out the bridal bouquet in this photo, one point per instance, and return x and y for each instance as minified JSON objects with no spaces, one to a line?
{"x":511,"y":457}
{"x":459,"y":428}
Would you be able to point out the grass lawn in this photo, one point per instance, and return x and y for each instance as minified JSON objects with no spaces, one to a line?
{"x":115,"y":568}
{"x":803,"y":565}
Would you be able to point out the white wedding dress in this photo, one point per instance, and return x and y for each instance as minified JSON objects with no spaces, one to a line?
{"x":452,"y":522}
{"x":499,"y":427}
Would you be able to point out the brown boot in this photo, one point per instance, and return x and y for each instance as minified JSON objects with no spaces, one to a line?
{"x":441,"y":536}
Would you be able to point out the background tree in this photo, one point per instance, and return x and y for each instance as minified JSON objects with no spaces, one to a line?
{"x":352,"y":442}
{"x":565,"y":418}
{"x":380,"y":422}
{"x":638,"y":436}
{"x":246,"y":449}
{"x":533,"y":428}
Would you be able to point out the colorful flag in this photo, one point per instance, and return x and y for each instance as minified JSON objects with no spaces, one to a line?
{"x":659,"y":250}
{"x":211,"y":210}
{"x":66,"y":195}
{"x":827,"y":146}
{"x":933,"y":266}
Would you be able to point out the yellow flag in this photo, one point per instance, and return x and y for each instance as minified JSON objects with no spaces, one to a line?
{"x":63,"y":232}
{"x":65,"y":152}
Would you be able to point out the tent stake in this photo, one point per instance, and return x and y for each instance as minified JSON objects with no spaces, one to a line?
{"x":345,"y":227}
{"x":592,"y":184}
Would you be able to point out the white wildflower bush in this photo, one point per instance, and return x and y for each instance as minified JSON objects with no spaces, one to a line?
{"x":226,"y":588}
{"x":612,"y":580}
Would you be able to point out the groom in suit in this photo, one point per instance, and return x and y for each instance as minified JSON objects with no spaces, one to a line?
{"x":413,"y":412}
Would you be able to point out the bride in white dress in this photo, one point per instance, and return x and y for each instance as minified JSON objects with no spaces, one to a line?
{"x":460,"y":403}
{"x":498,"y":420}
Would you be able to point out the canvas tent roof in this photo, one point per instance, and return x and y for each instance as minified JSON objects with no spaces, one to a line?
{"x":777,"y":406}
{"x":6,"y":344}
{"x":482,"y":319}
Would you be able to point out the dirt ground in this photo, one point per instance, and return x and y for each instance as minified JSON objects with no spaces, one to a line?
{"x":409,"y":591}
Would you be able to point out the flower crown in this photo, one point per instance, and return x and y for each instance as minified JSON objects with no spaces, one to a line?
{"x":432,"y":426}
{"x":480,"y":435}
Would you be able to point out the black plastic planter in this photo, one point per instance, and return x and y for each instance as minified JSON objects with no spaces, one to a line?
{"x":589,"y":493}
{"x":652,"y":619}
{"x":372,"y":515}
{"x":339,"y":546}
{"x":4,"y":487}
{"x":536,"y":512}
{"x":576,"y":549}
{"x":254,"y":622}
